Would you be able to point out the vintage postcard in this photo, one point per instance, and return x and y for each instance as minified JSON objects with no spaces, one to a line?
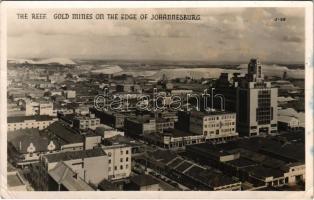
{"x":176,"y":100}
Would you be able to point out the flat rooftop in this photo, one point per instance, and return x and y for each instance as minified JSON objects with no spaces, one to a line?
{"x":14,"y":180}
{"x":20,"y":119}
{"x":73,"y":155}
{"x":178,"y":133}
{"x":144,"y":180}
{"x":210,"y":113}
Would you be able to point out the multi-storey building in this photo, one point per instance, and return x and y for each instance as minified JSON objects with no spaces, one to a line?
{"x":38,"y":108}
{"x":214,"y":125}
{"x":86,"y":122}
{"x":113,"y":119}
{"x":183,"y":122}
{"x":256,"y":103}
{"x":27,"y":122}
{"x":174,"y":139}
{"x":163,"y":124}
{"x":45,"y":108}
{"x":140,"y":126}
{"x":119,"y":161}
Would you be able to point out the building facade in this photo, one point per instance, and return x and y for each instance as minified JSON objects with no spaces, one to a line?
{"x":256,"y":103}
{"x":86,"y":122}
{"x":214,"y":125}
{"x":27,"y":122}
{"x":119,"y":161}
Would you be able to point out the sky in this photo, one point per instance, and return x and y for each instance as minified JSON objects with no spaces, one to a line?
{"x":221,"y":35}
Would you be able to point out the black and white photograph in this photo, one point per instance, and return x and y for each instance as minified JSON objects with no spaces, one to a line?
{"x":157,"y":99}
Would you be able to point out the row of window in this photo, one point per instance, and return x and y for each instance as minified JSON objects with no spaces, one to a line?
{"x":222,"y":117}
{"x":167,"y":124}
{"x":218,"y":125}
{"x":121,"y":160}
{"x":227,"y":130}
{"x":121,"y":152}
{"x":116,"y":167}
{"x":27,"y":124}
{"x":90,"y":121}
{"x":218,"y":131}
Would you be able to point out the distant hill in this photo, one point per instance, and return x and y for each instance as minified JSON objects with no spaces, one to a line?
{"x":107,"y":69}
{"x":60,"y":61}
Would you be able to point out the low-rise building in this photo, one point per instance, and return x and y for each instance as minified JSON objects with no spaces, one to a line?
{"x":174,"y":139}
{"x":214,"y":125}
{"x":69,"y":139}
{"x":112,"y":119}
{"x":164,"y":124}
{"x":263,"y":162}
{"x":190,"y":174}
{"x":70,"y":94}
{"x":26,"y":146}
{"x":90,"y":165}
{"x":86,"y":122}
{"x":28,"y":122}
{"x":137,"y":126}
{"x":41,"y":107}
{"x":288,"y":123}
{"x":107,"y":131}
{"x":294,"y":172}
{"x":63,"y":178}
{"x":144,"y":183}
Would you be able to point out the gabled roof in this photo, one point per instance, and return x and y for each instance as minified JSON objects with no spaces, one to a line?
{"x":21,"y":140}
{"x":65,"y":132}
{"x":64,"y":175}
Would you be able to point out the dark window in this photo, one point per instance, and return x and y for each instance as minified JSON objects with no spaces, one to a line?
{"x":263,"y":111}
{"x":243,"y":106}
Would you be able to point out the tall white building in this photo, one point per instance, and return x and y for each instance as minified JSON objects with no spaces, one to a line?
{"x":119,"y":161}
{"x":214,"y":125}
{"x":256,"y":103}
